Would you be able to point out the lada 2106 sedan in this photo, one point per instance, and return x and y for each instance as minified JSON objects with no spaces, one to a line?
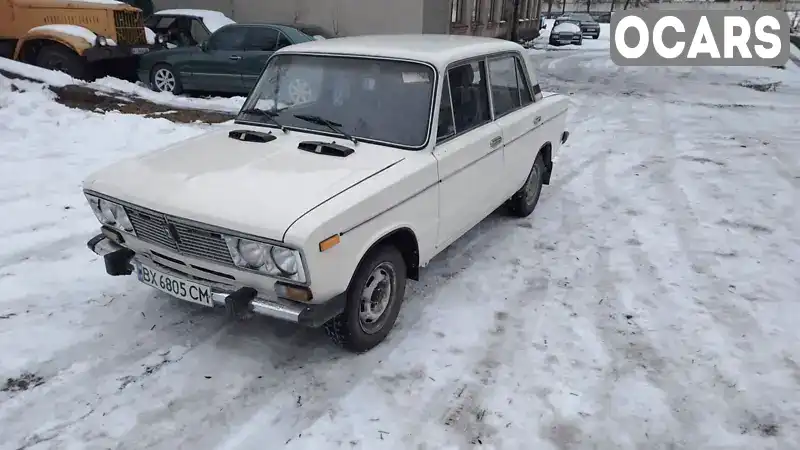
{"x":316,"y":209}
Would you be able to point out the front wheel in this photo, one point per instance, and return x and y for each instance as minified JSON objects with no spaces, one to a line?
{"x":163,"y":78}
{"x":373,"y":301}
{"x":525,"y":200}
{"x":62,"y":59}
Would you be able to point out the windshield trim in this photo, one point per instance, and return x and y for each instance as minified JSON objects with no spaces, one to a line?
{"x":434,"y":97}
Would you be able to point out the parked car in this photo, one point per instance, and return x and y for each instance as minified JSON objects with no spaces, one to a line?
{"x":318,"y":212}
{"x":565,"y":32}
{"x":589,"y":26}
{"x":186,"y":27}
{"x":230,"y":60}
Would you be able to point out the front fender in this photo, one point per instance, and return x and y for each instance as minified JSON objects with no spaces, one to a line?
{"x":77,"y":44}
{"x":406,"y":196}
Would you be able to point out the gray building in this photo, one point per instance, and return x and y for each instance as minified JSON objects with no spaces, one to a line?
{"x":354,"y":17}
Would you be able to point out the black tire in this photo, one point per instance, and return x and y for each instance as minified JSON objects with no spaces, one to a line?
{"x":524,"y":201}
{"x":166,"y":70}
{"x":348,"y":330}
{"x":62,"y":59}
{"x":596,"y":36}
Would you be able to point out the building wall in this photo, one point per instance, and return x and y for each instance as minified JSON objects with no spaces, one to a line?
{"x":346,"y":17}
{"x":493,"y":17}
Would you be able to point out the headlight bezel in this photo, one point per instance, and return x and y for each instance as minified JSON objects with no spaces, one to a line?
{"x":102,"y":207}
{"x":269,"y":267}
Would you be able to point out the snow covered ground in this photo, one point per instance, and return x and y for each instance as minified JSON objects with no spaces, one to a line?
{"x":112,"y":86}
{"x":649,"y":303}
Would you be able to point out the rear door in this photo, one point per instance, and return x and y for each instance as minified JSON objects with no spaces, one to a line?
{"x":260,"y":44}
{"x":217,"y":68}
{"x":514,"y":111}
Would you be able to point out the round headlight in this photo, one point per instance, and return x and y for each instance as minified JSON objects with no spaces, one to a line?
{"x":101,"y":41}
{"x":253,"y":253}
{"x":160,"y":39}
{"x":107,"y":211}
{"x":284,"y":259}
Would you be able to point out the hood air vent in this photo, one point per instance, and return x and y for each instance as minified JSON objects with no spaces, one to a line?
{"x":251,"y":136}
{"x":326,"y":148}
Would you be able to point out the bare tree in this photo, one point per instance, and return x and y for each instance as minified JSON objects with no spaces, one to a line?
{"x":549,"y":8}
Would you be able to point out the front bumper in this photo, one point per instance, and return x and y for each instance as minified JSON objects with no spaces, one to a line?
{"x":100,"y":53}
{"x":238,"y":301}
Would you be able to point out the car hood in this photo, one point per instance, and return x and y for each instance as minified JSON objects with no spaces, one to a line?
{"x":251,"y":187}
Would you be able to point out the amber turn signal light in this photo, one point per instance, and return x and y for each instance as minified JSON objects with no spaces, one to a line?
{"x":329,"y":243}
{"x":289,"y":292}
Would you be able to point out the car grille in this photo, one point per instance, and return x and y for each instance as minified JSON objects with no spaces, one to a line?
{"x":179,"y":236}
{"x":130,"y":28}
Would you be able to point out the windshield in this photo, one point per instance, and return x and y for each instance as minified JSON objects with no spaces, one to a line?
{"x":385,"y":101}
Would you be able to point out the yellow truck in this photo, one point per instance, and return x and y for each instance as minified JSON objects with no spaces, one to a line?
{"x":84,"y":38}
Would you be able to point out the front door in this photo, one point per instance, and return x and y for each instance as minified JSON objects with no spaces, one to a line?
{"x":218,"y":67}
{"x":469,"y":151}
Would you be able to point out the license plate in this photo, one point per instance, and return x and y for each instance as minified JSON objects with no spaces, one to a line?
{"x":176,"y":287}
{"x":139,"y":50}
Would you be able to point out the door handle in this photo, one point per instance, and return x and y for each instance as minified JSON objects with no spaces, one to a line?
{"x":235,"y":57}
{"x":496,"y":141}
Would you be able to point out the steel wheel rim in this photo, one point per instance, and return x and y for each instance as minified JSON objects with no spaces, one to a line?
{"x":299,"y":91}
{"x":376,"y":296}
{"x":533,"y":187}
{"x":164,"y":80}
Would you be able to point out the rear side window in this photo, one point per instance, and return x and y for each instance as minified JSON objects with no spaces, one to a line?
{"x":261,"y":39}
{"x":509,"y":88}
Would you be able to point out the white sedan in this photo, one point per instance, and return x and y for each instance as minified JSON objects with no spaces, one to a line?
{"x":318,"y":211}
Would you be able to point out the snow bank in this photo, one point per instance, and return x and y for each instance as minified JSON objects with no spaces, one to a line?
{"x":115,"y":85}
{"x":50,"y":77}
{"x":111,"y":85}
{"x":214,"y":20}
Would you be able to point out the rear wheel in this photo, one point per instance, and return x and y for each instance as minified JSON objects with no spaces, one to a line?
{"x":163,"y":78}
{"x":62,"y":59}
{"x":525,"y":200}
{"x":373,"y":301}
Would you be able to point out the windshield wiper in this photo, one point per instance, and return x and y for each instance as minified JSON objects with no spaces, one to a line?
{"x":270,"y":115}
{"x":336,"y":127}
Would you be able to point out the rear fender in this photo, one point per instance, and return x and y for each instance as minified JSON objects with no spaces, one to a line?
{"x":77,"y":44}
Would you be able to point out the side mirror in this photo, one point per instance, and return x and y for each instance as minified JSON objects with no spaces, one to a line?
{"x":204,"y":46}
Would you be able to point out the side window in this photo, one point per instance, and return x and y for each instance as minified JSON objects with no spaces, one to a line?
{"x":283,"y":41}
{"x":164,"y":23}
{"x":446,"y":127}
{"x":261,"y":39}
{"x":469,"y":95}
{"x":505,"y":89}
{"x":198,"y":32}
{"x":227,"y":39}
{"x":524,"y":89}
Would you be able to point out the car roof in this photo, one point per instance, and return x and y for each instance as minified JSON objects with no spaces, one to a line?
{"x":436,"y":49}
